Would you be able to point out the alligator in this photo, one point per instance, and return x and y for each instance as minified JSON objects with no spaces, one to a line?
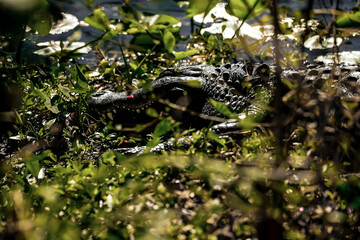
{"x":236,"y":85}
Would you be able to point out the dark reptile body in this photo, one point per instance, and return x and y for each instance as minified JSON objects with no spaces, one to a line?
{"x":227,"y":83}
{"x":191,"y":86}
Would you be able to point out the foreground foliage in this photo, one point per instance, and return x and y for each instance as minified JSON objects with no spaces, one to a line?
{"x":63,"y":175}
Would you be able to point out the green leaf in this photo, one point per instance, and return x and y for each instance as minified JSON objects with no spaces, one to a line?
{"x":34,"y":162}
{"x":200,"y":6}
{"x":152,"y":143}
{"x":169,"y":41}
{"x":351,"y":19}
{"x":214,"y":136}
{"x":33,"y":165}
{"x":162,"y":128}
{"x":245,"y":9}
{"x":98,"y":19}
{"x":194,"y":83}
{"x":223,"y":109}
{"x":108,"y":36}
{"x":47,"y":101}
{"x":152,"y":112}
{"x":133,"y":65}
{"x":109,"y":157}
{"x":167,"y":20}
{"x":81,"y":79}
{"x":49,"y":123}
{"x":41,"y":22}
{"x":64,"y":90}
{"x":182,"y":55}
{"x":130,"y":14}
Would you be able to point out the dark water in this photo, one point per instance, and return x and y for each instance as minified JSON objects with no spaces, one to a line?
{"x":76,"y":8}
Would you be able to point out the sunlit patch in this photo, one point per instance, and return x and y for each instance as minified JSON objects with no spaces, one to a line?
{"x":55,"y":46}
{"x":68,"y":23}
{"x":228,"y":26}
{"x":316,"y":42}
{"x":351,"y":57}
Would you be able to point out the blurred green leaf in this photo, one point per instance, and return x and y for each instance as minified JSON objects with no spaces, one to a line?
{"x":41,"y":22}
{"x":108,"y":36}
{"x":162,"y":128}
{"x":200,"y":6}
{"x":351,"y":19}
{"x":214,"y":136}
{"x":169,"y":41}
{"x":46,"y":99}
{"x":98,"y":19}
{"x":223,"y":109}
{"x":245,"y":9}
{"x":65,"y":90}
{"x":129,"y":13}
{"x":133,"y":65}
{"x":188,"y":53}
{"x":81,"y":79}
{"x":193,"y":83}
{"x":33,"y":165}
{"x":109,"y":157}
{"x":152,"y":112}
{"x":33,"y":162}
{"x":167,"y":20}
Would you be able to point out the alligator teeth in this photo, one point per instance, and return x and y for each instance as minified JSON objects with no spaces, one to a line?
{"x":142,"y":108}
{"x":138,"y":110}
{"x":109,"y":114}
{"x":103,"y":115}
{"x":114,"y":111}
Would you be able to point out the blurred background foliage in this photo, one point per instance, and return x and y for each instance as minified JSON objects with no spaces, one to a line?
{"x":62,"y":177}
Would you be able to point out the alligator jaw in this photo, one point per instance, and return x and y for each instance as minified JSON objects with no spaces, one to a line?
{"x":107,"y":101}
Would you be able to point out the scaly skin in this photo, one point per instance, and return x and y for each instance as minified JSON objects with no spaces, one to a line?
{"x":224,"y":84}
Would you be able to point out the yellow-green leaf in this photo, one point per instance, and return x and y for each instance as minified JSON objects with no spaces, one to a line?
{"x":64,"y":90}
{"x":223,"y":109}
{"x":182,"y":55}
{"x":169,"y":41}
{"x":351,"y":19}
{"x":200,"y":6}
{"x":246,"y":9}
{"x":81,"y":79}
{"x":98,"y":19}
